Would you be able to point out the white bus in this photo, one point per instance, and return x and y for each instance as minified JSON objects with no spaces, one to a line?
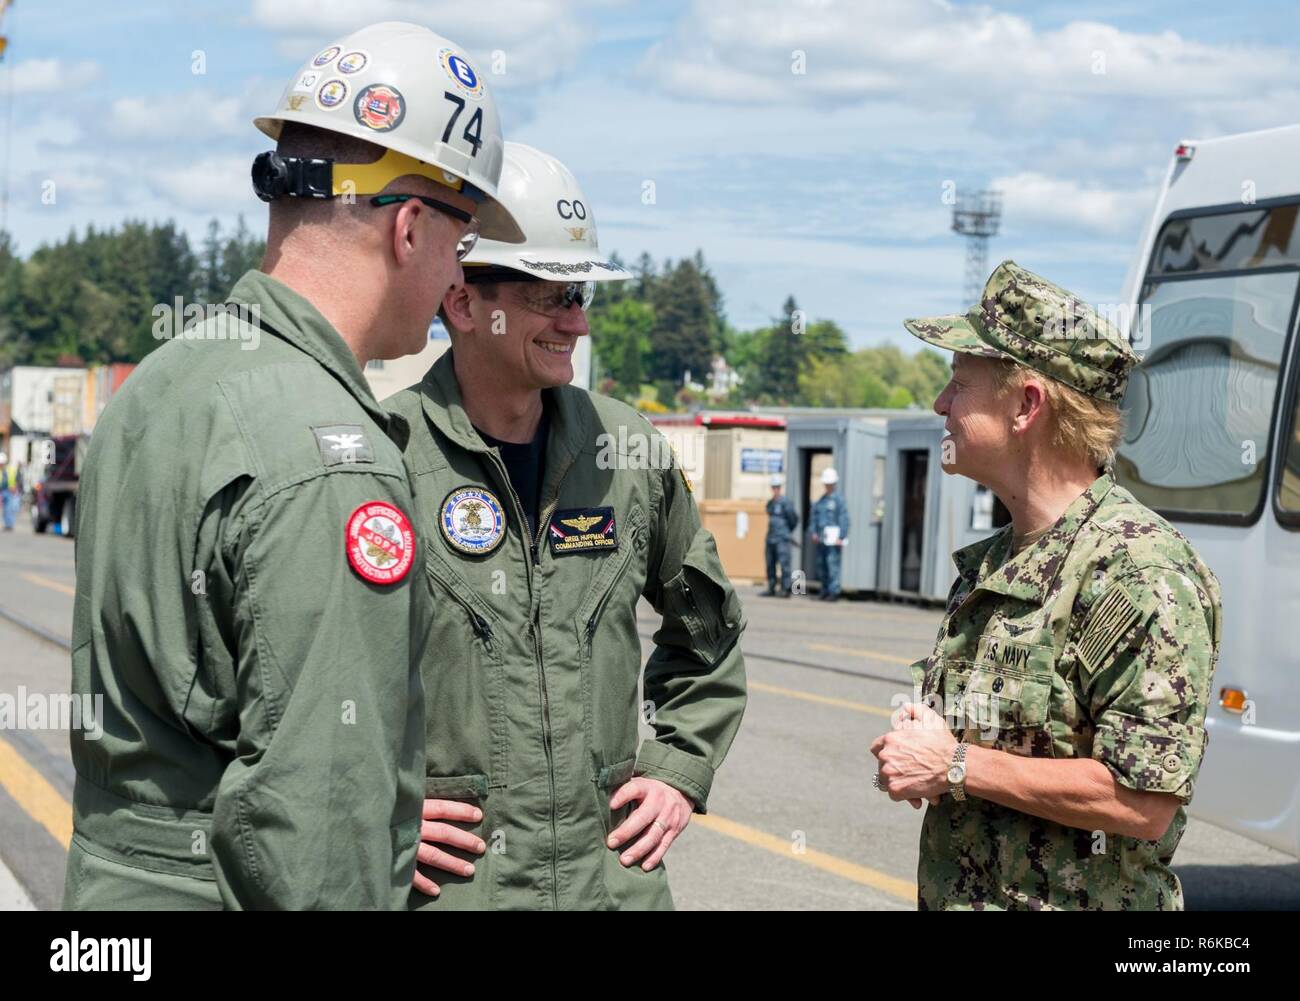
{"x":1213,"y":444}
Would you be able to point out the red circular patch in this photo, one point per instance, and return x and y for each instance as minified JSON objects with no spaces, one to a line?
{"x":380,"y":543}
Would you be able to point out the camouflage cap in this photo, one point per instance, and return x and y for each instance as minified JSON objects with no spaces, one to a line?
{"x":1026,"y":319}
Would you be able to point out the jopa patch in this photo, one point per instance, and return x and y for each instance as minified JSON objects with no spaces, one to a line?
{"x":380,"y":543}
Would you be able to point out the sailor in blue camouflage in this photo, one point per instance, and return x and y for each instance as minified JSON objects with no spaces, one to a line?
{"x":1098,"y":639}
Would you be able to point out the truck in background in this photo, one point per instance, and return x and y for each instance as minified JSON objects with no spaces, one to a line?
{"x":54,"y":494}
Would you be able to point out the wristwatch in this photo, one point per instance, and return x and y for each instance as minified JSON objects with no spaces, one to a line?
{"x":957,"y":773}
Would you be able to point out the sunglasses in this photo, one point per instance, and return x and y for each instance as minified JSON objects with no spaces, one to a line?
{"x":545,"y":297}
{"x":467,"y":240}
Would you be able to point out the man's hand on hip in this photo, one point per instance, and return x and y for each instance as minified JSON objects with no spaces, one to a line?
{"x":663,"y":814}
{"x":433,"y":833}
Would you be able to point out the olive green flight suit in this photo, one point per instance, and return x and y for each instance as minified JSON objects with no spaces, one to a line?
{"x":533,"y":667}
{"x":262,"y":707}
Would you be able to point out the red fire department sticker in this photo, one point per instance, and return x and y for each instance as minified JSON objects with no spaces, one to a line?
{"x":380,"y":543}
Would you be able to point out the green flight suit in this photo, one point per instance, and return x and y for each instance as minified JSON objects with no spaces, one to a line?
{"x":535,"y":658}
{"x":262,"y":706}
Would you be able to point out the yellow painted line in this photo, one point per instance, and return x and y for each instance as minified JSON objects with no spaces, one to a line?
{"x":53,"y":585}
{"x":856,"y":652}
{"x":826,"y":700}
{"x":38,"y":798}
{"x":895,"y":887}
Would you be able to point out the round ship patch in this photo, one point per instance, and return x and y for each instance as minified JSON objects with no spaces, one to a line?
{"x":331,"y":94}
{"x":472,"y":520}
{"x":380,"y":543}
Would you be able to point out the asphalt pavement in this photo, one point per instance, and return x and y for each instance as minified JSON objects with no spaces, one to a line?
{"x":793,"y":822}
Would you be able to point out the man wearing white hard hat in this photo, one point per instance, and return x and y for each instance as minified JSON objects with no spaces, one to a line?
{"x":830,"y":531}
{"x":782,"y":520}
{"x":556,"y":510}
{"x":251,"y":591}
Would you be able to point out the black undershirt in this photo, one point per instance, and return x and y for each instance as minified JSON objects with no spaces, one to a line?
{"x":526,"y":466}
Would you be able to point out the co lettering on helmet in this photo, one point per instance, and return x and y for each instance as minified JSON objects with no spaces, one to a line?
{"x":537,"y":187}
{"x":571,"y":209}
{"x":474,"y":138}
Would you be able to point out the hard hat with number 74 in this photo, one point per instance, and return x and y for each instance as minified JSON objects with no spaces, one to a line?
{"x":559,"y":228}
{"x":409,"y":90}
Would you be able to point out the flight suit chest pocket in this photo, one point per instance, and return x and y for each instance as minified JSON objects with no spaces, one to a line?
{"x":1003,"y":698}
{"x":464,"y":680}
{"x":605,"y":585}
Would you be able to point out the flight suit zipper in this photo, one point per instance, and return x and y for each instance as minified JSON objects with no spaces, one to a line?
{"x":535,"y":625}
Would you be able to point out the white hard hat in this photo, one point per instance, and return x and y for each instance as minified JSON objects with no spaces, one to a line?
{"x":415,"y":93}
{"x":830,"y":476}
{"x":559,"y":228}
{"x":777,"y":480}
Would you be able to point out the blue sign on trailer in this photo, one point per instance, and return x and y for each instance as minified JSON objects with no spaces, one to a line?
{"x":762,"y":460}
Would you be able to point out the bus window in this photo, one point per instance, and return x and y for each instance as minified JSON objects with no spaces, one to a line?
{"x":1199,"y":409}
{"x":1288,"y":488}
{"x":1227,"y":241}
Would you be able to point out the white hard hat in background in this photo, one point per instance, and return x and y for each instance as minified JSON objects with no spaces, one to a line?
{"x":777,"y":480}
{"x":830,"y":476}
{"x":403,"y":87}
{"x":557,"y":221}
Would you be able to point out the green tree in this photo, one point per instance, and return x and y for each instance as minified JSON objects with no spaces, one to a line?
{"x":687,"y":331}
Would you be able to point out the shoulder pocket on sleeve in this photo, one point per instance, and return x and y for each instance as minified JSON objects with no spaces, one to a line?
{"x":704,"y":599}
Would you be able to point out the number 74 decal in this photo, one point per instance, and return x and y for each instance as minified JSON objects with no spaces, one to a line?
{"x":473,"y":133}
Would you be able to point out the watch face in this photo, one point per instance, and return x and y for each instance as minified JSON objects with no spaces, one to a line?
{"x":956,"y":774}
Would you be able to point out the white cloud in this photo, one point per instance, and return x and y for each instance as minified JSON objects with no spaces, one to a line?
{"x":51,"y":76}
{"x":1034,"y":199}
{"x":935,"y":53}
{"x":160,"y":117}
{"x":216,"y":185}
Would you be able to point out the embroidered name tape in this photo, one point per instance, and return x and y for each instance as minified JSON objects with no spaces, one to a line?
{"x":582,"y":530}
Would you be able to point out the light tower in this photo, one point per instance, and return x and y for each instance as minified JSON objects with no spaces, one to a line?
{"x":976,"y":216}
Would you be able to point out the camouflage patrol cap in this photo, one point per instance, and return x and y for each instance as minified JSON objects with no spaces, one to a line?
{"x":1026,"y":319}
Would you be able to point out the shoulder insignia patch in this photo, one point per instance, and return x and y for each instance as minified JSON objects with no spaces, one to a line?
{"x":380,"y":543}
{"x":341,"y":444}
{"x":1110,"y":618}
{"x":472,"y":520}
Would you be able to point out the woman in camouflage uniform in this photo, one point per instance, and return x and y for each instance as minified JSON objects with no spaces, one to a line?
{"x":1059,"y":722}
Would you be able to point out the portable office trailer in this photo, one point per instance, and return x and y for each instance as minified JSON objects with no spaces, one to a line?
{"x":741,"y":462}
{"x":687,"y":439}
{"x":855,"y":446}
{"x":927,"y":513}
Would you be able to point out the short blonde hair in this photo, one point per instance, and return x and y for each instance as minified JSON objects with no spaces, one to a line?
{"x":1081,"y":424}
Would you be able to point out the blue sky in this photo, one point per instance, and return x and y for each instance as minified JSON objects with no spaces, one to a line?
{"x":826,"y":184}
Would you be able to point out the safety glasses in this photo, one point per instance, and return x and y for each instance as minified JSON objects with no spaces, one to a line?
{"x":467,"y":240}
{"x":555,"y":298}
